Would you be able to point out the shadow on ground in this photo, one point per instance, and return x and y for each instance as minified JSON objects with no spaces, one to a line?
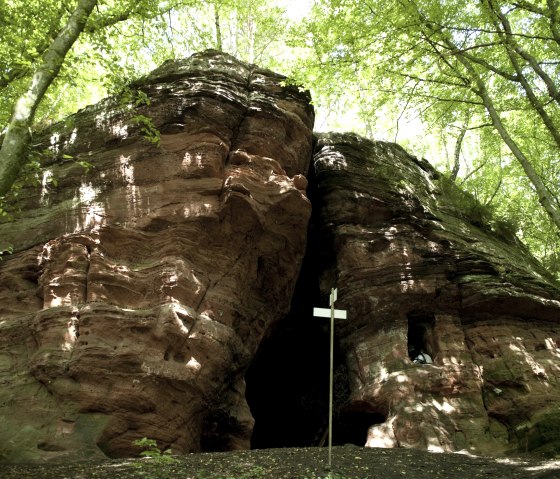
{"x":349,"y":462}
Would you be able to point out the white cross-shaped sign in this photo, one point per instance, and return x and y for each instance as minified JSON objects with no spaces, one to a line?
{"x":338,"y":314}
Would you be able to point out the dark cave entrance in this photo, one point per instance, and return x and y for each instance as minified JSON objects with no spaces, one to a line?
{"x":421,"y":333}
{"x":288,"y":390}
{"x":287,"y":385}
{"x":352,"y":427}
{"x":288,"y":381}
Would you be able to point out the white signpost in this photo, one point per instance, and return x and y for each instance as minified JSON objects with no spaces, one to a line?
{"x":338,"y":314}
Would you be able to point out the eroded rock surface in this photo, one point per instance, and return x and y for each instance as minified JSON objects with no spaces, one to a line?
{"x":419,"y":265}
{"x":165,"y":241}
{"x":144,"y":278}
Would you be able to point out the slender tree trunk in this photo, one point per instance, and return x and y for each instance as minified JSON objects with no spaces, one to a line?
{"x":251,"y":48}
{"x":545,"y":198}
{"x":234,"y":33}
{"x":547,"y":201}
{"x":459,"y":147}
{"x":219,"y":45}
{"x":457,"y":152}
{"x":13,"y":152}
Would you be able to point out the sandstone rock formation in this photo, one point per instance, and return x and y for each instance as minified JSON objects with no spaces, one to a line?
{"x":144,"y":278}
{"x":420,"y":265}
{"x":149,"y":279}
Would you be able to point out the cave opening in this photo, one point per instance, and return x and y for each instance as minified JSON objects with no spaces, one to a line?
{"x":351,"y":426}
{"x":288,"y":391}
{"x":287,"y":384}
{"x":421,"y":333}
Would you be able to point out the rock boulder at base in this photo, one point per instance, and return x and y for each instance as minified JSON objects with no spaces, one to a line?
{"x":163,"y":241}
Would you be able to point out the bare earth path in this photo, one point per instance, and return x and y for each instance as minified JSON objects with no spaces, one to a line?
{"x":349,"y":462}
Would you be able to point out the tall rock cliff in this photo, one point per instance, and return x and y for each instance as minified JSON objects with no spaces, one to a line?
{"x":166,"y":251}
{"x":142,"y":283}
{"x":420,"y":265}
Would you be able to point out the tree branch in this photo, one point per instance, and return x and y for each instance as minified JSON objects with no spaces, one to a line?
{"x":529,"y":7}
{"x":16,"y":72}
{"x":510,"y":46}
{"x":13,"y":151}
{"x":479,"y":87}
{"x":426,"y":80}
{"x":545,"y":199}
{"x":553,"y":16}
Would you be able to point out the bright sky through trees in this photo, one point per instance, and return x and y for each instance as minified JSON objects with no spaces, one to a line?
{"x":474,"y":88}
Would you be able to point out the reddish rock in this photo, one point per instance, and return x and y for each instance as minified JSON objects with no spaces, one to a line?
{"x":141,"y":284}
{"x":419,"y":264}
{"x":145,"y":278}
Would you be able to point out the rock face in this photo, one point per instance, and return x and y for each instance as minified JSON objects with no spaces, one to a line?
{"x":420,"y":265}
{"x":144,"y":278}
{"x":157,"y":260}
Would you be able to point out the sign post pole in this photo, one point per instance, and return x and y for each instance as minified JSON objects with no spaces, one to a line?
{"x":339,"y":314}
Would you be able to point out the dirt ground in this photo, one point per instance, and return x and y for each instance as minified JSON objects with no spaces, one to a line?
{"x":349,"y":462}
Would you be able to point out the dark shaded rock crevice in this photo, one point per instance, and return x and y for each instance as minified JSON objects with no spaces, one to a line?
{"x":287,"y":382}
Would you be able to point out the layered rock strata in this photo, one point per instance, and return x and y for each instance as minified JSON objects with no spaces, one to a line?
{"x":420,"y":265}
{"x":164,"y":241}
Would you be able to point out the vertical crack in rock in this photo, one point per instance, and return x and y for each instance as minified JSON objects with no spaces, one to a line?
{"x":237,"y":128}
{"x":479,"y":369}
{"x":86,"y":293}
{"x":288,"y":382}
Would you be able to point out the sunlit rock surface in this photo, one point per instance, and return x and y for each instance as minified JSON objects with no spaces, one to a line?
{"x":144,"y":277}
{"x":163,"y":243}
{"x":419,"y":265}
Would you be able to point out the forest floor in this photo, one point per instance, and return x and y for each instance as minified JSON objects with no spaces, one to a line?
{"x":349,"y":462}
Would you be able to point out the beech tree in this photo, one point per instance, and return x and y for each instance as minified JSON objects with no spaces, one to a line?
{"x":478,"y":81}
{"x":16,"y":139}
{"x":114,"y":43}
{"x":525,"y":71}
{"x":33,"y":57}
{"x":251,"y":30}
{"x":483,"y":74}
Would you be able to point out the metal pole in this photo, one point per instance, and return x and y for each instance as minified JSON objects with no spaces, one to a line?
{"x":331,"y":382}
{"x":340,"y":314}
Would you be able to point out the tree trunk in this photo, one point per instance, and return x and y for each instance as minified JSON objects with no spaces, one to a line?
{"x":458,"y":146}
{"x":219,"y":46}
{"x":13,"y":152}
{"x":545,"y":199}
{"x":511,"y":48}
{"x":251,"y":27}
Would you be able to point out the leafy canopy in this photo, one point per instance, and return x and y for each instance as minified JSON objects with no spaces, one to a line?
{"x":473,"y":86}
